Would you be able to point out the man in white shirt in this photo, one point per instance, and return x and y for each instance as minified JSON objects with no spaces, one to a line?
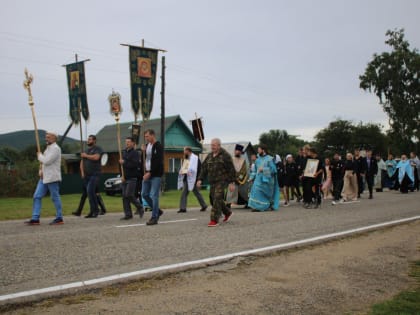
{"x":187,"y":179}
{"x":50,"y":178}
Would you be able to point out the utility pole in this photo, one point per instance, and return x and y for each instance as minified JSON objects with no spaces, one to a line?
{"x":162,"y":105}
{"x":162,"y":112}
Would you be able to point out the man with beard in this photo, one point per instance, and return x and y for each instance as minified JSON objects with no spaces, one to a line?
{"x":90,"y":168}
{"x":240,"y":194}
{"x":187,"y":180}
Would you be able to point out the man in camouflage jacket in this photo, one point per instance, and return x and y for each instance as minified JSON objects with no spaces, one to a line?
{"x":220,"y":171}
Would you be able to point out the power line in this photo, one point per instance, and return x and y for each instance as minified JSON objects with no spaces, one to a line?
{"x":236,"y":84}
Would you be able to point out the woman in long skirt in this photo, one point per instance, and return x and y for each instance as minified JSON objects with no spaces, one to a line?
{"x":350,"y":188}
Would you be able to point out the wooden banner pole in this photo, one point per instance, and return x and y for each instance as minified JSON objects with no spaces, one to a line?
{"x":27,"y":85}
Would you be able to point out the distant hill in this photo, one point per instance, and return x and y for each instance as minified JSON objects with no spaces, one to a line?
{"x":20,"y":140}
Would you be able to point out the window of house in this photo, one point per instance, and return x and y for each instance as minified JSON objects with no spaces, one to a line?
{"x":174,"y":165}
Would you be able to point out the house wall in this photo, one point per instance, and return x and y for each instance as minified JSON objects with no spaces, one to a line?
{"x":169,"y":156}
{"x":112,"y":166}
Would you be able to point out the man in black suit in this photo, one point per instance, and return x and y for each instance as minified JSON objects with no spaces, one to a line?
{"x":371,"y":171}
{"x":360,"y":162}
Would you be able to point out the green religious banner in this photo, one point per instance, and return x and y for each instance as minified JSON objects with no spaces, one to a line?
{"x":143,"y":67}
{"x":76,"y":83}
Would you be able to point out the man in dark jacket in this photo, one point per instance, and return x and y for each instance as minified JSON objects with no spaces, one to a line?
{"x":131,"y":165}
{"x":152,"y":174}
{"x":360,"y":170}
{"x":337,"y":175}
{"x":371,"y":171}
{"x":90,"y":167}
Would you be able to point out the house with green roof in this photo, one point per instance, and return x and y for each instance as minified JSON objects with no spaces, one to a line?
{"x":177,"y":136}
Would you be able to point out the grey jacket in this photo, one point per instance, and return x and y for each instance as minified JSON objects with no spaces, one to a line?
{"x":51,"y":164}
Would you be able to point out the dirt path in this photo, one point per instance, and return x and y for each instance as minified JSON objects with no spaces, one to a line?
{"x":340,"y":277}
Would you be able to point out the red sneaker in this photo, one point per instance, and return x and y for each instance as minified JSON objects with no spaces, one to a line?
{"x":227,"y":217}
{"x":212,"y":224}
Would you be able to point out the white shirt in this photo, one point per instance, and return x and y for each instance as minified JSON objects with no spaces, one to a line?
{"x":149,"y":157}
{"x":51,"y":164}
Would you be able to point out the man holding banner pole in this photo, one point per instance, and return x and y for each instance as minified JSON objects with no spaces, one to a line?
{"x":131,"y":163}
{"x":143,"y":66}
{"x":49,"y":181}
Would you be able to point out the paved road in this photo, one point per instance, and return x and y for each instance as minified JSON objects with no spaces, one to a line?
{"x":33,"y":257}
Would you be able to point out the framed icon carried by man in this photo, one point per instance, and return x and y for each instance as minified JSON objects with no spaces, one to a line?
{"x":311,"y":167}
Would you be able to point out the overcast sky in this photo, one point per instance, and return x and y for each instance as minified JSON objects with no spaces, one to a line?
{"x":245,"y":66}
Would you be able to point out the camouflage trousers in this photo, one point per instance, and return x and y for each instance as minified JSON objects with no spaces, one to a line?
{"x":217,"y":201}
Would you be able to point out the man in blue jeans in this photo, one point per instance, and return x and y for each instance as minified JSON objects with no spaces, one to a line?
{"x":90,"y":168}
{"x":153,"y":172}
{"x":50,"y":178}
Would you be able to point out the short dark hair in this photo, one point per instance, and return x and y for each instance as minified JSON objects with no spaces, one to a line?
{"x":188,"y":149}
{"x":150,"y":132}
{"x":130,"y":138}
{"x":313,"y":150}
{"x":92,"y":136}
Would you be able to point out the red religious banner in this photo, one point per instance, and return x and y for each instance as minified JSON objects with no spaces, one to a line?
{"x":144,"y":67}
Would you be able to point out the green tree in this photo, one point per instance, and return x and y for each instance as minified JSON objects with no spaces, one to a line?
{"x":10,"y":153}
{"x":394,"y":77}
{"x":343,"y":136}
{"x":370,"y":136}
{"x":336,"y":137}
{"x":280,"y":142}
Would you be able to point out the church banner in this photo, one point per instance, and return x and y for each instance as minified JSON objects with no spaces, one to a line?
{"x":197,"y":127}
{"x":143,"y":67}
{"x":76,"y":83}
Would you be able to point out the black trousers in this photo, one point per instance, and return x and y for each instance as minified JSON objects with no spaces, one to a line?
{"x":360,"y":183}
{"x":337,"y":188}
{"x":129,"y":196}
{"x":308,"y":194}
{"x":369,"y":181}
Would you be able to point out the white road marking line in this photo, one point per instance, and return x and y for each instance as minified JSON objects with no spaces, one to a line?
{"x":162,"y":222}
{"x":346,"y":202}
{"x":199,"y":262}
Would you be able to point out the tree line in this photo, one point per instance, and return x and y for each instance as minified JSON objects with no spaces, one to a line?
{"x":394,"y":77}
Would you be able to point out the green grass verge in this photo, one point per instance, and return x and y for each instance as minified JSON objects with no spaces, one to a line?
{"x":405,"y":303}
{"x":21,"y":208}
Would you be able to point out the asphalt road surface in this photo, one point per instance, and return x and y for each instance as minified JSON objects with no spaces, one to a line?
{"x":35,"y":257}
